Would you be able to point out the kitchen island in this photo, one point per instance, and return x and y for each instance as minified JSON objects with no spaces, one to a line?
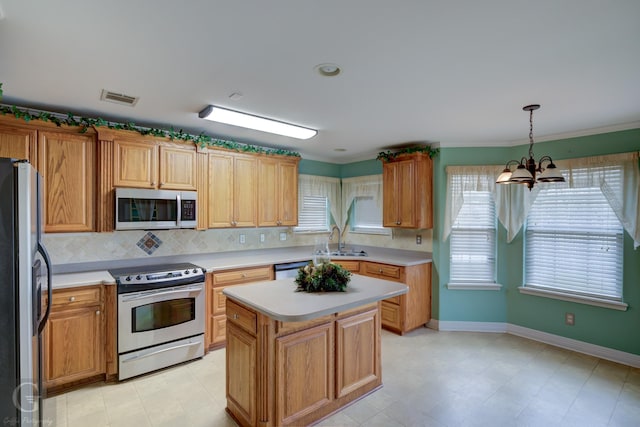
{"x":293,"y":358}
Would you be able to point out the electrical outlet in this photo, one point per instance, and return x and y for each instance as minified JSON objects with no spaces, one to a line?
{"x":283,"y":236}
{"x":418,"y":239}
{"x":569,"y":319}
{"x":242,"y":239}
{"x":261,"y":237}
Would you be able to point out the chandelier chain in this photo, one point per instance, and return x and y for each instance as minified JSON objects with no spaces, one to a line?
{"x":530,"y":133}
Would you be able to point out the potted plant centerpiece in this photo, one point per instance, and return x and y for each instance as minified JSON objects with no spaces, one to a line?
{"x":323,"y":277}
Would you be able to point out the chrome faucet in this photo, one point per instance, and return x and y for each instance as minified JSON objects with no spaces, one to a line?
{"x":340,"y":244}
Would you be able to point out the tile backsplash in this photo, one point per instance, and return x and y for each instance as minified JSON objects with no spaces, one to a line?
{"x":67,"y":248}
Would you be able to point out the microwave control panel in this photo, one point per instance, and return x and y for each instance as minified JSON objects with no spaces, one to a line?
{"x":188,"y":210}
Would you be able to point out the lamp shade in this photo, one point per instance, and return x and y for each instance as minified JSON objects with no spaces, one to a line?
{"x":521,"y":175}
{"x":504,"y":177}
{"x":551,"y":174}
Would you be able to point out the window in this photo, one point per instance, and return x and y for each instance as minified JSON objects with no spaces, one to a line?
{"x":574,"y":240}
{"x":470,"y":224}
{"x":313,"y":214}
{"x":473,"y":240}
{"x":366,"y":216}
{"x":318,"y":202}
{"x":362,"y":202}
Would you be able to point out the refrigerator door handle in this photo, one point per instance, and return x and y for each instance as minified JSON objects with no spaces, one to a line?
{"x":47,"y":261}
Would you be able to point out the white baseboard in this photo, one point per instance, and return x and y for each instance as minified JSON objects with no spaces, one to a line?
{"x":532,"y":334}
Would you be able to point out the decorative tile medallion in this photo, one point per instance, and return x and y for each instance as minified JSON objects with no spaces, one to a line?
{"x":149,"y":243}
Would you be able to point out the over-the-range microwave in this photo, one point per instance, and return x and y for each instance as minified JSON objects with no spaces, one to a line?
{"x":141,"y":209}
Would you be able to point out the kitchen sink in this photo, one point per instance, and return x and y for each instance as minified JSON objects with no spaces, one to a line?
{"x":349,"y":253}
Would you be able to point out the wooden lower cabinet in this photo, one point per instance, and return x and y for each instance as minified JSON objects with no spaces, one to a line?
{"x":74,"y":338}
{"x":411,"y":310}
{"x":291,"y":374}
{"x":216,"y":282}
{"x":304,"y":373}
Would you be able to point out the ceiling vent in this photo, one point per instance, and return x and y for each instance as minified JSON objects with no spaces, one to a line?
{"x":118,"y":98}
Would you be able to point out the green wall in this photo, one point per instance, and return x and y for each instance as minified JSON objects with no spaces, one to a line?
{"x":596,"y":325}
{"x":313,"y":167}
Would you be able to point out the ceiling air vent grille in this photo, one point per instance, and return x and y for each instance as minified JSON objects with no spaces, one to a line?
{"x":118,"y":98}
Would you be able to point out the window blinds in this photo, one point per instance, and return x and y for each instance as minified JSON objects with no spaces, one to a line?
{"x":473,"y":240}
{"x":574,"y":240}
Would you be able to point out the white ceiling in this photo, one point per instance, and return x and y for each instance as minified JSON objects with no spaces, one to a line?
{"x":456,"y":72}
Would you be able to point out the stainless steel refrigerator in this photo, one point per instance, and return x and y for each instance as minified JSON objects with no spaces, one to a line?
{"x":25,"y":273}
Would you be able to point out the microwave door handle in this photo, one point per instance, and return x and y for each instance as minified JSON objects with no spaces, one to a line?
{"x":179,"y":216}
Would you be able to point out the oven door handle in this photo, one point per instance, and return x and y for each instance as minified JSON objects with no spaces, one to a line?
{"x":153,"y":353}
{"x":157,"y":293}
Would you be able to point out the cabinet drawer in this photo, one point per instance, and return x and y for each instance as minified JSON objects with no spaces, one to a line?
{"x":283,"y":328}
{"x":75,"y":297}
{"x":242,"y":317}
{"x":390,"y":314}
{"x":246,"y":275}
{"x":384,"y":271}
{"x":352,"y":266}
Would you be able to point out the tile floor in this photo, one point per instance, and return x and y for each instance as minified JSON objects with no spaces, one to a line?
{"x":430,"y":378}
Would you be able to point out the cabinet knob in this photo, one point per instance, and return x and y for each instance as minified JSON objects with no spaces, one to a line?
{"x":97,"y":312}
{"x":380,"y":271}
{"x":153,"y":183}
{"x":279,"y":222}
{"x":72,"y":299}
{"x":398,"y":222}
{"x":244,"y":275}
{"x":235,"y":316}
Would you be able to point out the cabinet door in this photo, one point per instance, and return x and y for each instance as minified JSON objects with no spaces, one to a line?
{"x":245,"y":192}
{"x":304,"y":373}
{"x":73,"y":345}
{"x":241,"y":385}
{"x":18,"y":143}
{"x":220,"y":190}
{"x":67,"y":163}
{"x":288,"y":193}
{"x":268,"y":196}
{"x":406,"y":190}
{"x":177,"y":168}
{"x":135,"y":164}
{"x":357,"y":352}
{"x":390,"y":199}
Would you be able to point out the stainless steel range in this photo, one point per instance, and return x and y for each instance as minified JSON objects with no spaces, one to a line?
{"x":160,"y":316}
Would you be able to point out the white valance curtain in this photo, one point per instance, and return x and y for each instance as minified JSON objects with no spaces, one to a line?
{"x":617,"y":175}
{"x":361,"y":186}
{"x":323,"y":186}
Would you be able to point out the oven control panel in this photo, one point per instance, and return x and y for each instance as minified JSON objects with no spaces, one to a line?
{"x":145,"y":277}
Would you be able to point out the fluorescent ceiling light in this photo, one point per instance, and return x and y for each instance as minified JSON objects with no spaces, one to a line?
{"x":236,"y":118}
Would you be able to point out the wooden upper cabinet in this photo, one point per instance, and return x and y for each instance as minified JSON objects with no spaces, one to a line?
{"x":148,"y":164}
{"x":135,"y":164}
{"x":245,"y":184}
{"x":232,"y":190}
{"x":18,"y":143}
{"x":177,"y":168}
{"x":67,"y":163}
{"x":277,"y":192}
{"x":407,"y":192}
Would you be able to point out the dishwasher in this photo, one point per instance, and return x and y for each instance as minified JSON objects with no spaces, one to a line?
{"x":289,"y":269}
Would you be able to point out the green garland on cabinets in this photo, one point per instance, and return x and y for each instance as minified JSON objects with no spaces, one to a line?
{"x":387,"y":156}
{"x":85,"y":123}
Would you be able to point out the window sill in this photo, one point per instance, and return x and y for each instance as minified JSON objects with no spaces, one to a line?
{"x":310,"y":231}
{"x":383,"y":232}
{"x":474,"y":286}
{"x":598,"y":302}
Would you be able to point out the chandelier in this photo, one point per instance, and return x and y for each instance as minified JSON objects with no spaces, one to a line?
{"x":526,"y":170}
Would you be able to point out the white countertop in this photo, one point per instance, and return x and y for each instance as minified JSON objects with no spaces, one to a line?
{"x":279,"y":300}
{"x":237,"y":259}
